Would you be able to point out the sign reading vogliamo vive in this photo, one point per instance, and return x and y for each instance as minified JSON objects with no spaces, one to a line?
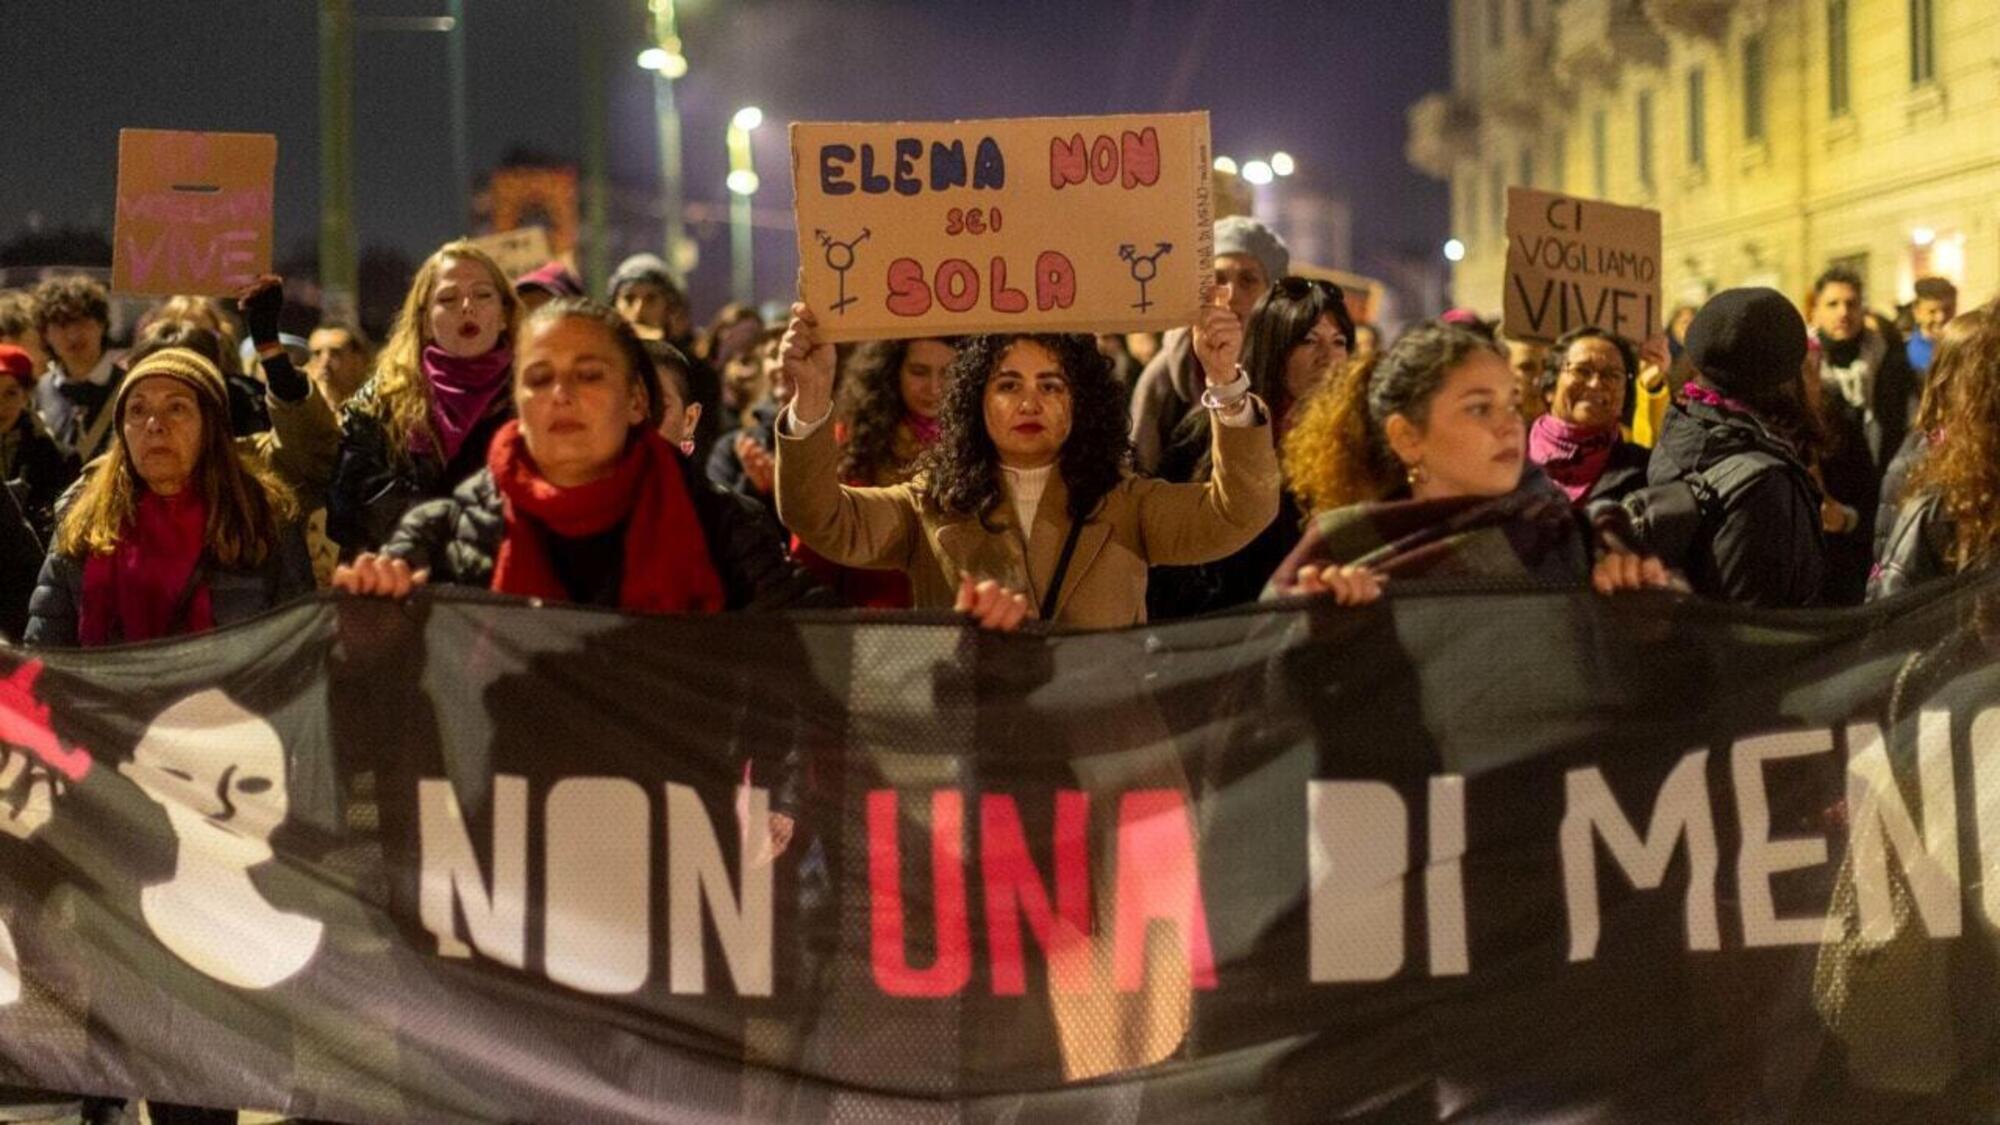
{"x":194,"y":211}
{"x":1071,"y":224}
{"x":1573,"y":263}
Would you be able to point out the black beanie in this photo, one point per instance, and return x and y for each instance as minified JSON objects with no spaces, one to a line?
{"x":1747,"y":341}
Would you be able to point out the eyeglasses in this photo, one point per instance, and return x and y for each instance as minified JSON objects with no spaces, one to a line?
{"x":1587,"y":373}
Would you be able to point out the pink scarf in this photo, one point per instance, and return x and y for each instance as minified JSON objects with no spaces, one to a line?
{"x":925,"y":430}
{"x":462,"y":389}
{"x":132,"y":594}
{"x":1572,"y":456}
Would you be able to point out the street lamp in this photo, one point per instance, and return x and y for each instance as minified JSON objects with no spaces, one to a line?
{"x":667,"y":63}
{"x":742,"y":184}
{"x":1454,"y":250}
{"x":1282,"y":164}
{"x":1225,"y":165}
{"x":1257,"y":172}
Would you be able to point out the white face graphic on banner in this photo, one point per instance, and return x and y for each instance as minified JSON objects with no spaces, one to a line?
{"x":219,"y":771}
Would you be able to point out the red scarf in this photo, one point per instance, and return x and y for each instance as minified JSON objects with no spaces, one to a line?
{"x":667,"y":568}
{"x":1572,"y":456}
{"x":130,"y":594}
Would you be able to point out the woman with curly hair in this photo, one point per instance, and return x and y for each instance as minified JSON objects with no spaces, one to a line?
{"x":1948,"y":522}
{"x":1027,"y":500}
{"x":423,"y":422}
{"x":1414,"y":464}
{"x":886,"y":417}
{"x":1298,"y":333}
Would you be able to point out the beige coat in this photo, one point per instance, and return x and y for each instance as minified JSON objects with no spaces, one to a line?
{"x":1143,"y":522}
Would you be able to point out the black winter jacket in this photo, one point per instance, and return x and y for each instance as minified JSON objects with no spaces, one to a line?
{"x":459,"y":539}
{"x":373,"y":488}
{"x":1764,"y":549}
{"x":1917,"y":550}
{"x":234,"y":595}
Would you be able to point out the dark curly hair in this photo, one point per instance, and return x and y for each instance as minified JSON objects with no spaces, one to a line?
{"x":961,"y":473}
{"x":871,"y":402}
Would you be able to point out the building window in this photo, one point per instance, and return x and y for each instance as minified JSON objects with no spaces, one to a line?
{"x":1923,"y":42}
{"x":1754,"y":125}
{"x":1645,"y":132}
{"x":1526,"y":168}
{"x":1600,"y":171}
{"x":1837,"y":67}
{"x":1698,"y":118}
{"x":1499,"y":185}
{"x":1496,"y":23}
{"x":1527,"y":13}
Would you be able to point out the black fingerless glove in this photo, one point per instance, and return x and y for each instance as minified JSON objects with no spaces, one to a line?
{"x":260,"y":313}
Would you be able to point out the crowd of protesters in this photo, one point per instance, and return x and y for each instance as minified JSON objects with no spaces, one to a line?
{"x":515,"y":435}
{"x":1750,"y":451}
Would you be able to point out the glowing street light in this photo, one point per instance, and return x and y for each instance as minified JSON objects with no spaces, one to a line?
{"x":1225,"y":164}
{"x":1281,"y":163}
{"x":1923,"y":236}
{"x":1454,"y":250}
{"x":668,"y":64}
{"x":742,"y":184}
{"x":1257,"y":172}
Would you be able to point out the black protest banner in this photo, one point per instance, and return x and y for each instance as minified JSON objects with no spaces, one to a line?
{"x":1514,"y":855}
{"x":1575,"y":263}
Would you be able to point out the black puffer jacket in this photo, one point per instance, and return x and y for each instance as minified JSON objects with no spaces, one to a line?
{"x":459,"y":539}
{"x":1764,"y":548}
{"x":1918,"y":549}
{"x":373,"y":488}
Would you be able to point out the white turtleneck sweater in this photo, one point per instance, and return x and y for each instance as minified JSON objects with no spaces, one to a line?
{"x":1024,"y":487}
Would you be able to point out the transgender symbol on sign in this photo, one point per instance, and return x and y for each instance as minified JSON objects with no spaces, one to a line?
{"x":840,"y":259}
{"x":219,"y":771}
{"x":1145,"y":267}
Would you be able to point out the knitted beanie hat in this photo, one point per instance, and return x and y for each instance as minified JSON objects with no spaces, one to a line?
{"x":1238,"y":234}
{"x":182,"y":365}
{"x":1748,"y":341}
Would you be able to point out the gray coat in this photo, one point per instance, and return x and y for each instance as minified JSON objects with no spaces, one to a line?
{"x":235,"y":595}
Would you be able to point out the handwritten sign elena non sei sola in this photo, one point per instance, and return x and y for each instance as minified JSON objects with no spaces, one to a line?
{"x":1067,"y":224}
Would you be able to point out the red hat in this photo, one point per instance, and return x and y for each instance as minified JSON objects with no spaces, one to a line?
{"x":16,"y":363}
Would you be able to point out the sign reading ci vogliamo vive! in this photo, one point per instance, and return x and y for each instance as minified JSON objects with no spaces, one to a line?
{"x":1047,"y":224}
{"x":1573,"y":263}
{"x":194,"y":211}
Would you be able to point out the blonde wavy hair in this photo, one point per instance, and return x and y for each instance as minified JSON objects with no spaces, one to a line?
{"x":247,"y":505}
{"x":401,"y":389}
{"x":1319,"y":453}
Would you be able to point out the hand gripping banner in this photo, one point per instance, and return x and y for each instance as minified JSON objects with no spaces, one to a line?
{"x":1499,"y":856}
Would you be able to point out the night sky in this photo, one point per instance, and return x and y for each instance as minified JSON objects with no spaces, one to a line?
{"x":1327,"y":80}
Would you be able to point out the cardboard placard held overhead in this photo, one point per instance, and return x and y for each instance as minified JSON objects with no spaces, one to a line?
{"x":1575,"y":262}
{"x":1049,"y":224}
{"x":519,"y":250}
{"x":194,"y":211}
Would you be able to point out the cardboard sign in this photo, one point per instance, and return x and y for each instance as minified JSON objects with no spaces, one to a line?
{"x":1049,"y":224}
{"x":1575,"y":262}
{"x":518,"y":250}
{"x":194,"y":211}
